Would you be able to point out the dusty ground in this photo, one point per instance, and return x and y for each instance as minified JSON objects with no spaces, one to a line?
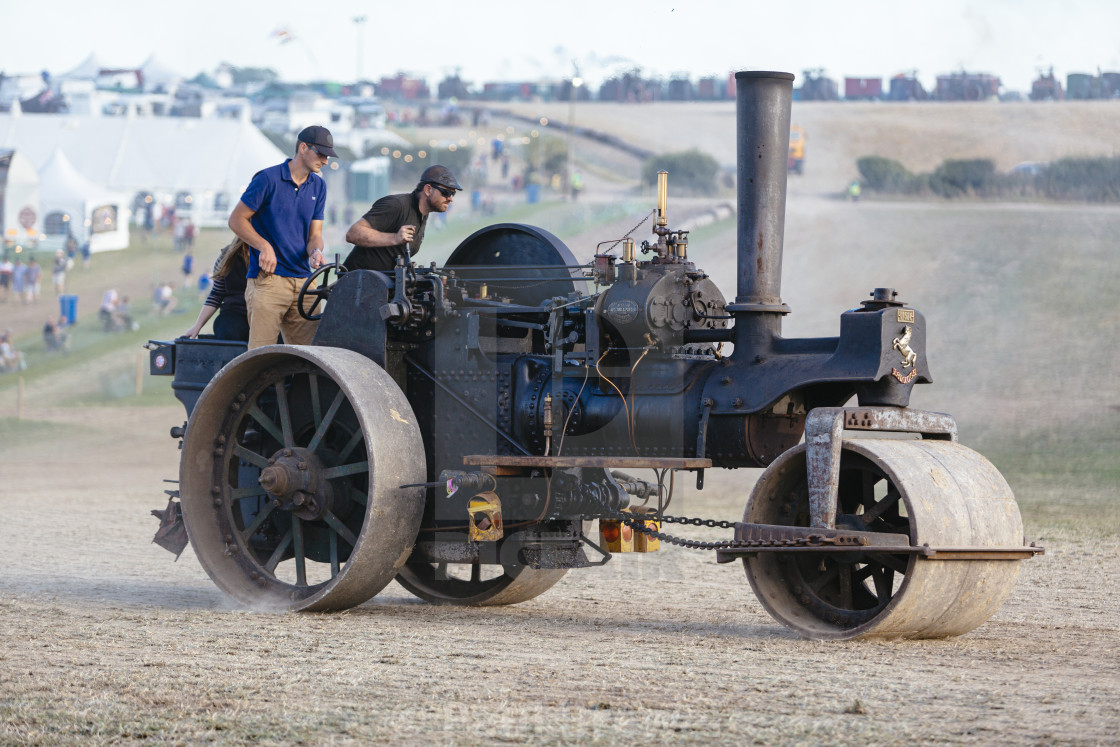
{"x":106,"y":640}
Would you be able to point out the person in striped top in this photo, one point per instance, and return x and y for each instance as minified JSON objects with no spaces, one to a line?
{"x":227,"y":296}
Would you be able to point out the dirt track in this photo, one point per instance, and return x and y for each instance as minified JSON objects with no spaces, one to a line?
{"x":105,"y":639}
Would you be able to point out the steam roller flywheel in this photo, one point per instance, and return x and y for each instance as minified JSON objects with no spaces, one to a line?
{"x":938,"y":493}
{"x":523,"y":263}
{"x":476,"y":585}
{"x":290,"y":478}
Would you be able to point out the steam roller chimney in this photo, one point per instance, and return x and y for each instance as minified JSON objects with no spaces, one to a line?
{"x":762,"y":101}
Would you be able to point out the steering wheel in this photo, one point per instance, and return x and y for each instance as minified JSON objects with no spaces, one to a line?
{"x":320,"y":293}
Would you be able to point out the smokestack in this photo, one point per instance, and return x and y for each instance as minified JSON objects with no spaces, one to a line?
{"x":763,"y":101}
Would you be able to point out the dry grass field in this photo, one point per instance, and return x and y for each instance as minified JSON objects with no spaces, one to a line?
{"x":919,"y":134}
{"x":107,"y":641}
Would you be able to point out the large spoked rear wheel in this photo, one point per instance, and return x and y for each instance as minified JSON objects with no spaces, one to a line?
{"x":938,"y":493}
{"x":290,"y":476}
{"x":476,"y":585}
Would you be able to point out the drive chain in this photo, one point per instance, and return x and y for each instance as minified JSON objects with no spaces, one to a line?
{"x":638,"y":525}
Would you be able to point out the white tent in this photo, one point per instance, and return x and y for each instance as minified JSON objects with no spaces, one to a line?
{"x":159,"y":77}
{"x":72,"y":204}
{"x":88,"y":69}
{"x":201,"y":166}
{"x":19,"y":198}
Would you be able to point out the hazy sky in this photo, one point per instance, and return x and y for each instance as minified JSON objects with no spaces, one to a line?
{"x":490,"y":40}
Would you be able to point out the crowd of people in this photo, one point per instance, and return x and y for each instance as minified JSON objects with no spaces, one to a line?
{"x":20,"y":281}
{"x":116,"y":312}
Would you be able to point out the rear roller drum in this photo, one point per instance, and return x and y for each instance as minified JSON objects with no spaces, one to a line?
{"x":938,"y":493}
{"x":290,"y":476}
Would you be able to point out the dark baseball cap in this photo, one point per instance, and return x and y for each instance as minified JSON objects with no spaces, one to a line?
{"x":318,"y":138}
{"x":440,"y":175}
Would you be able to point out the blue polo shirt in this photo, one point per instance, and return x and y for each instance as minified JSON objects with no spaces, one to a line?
{"x":282,"y":215}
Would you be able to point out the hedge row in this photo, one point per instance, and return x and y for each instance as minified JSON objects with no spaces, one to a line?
{"x":691,"y":171}
{"x":1080,"y":179}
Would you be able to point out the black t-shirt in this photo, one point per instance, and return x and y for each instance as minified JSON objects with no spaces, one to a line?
{"x":388,"y":215}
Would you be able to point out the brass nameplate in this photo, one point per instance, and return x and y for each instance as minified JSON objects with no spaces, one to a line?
{"x":904,"y":379}
{"x":906,"y":315}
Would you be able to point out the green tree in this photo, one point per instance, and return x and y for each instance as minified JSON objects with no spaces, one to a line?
{"x":690,"y":171}
{"x":885,"y":175}
{"x":1090,"y":179}
{"x":957,"y":177}
{"x":547,"y":154}
{"x":253,"y":75}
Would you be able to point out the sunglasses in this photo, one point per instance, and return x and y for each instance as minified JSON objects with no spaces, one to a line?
{"x":448,"y":193}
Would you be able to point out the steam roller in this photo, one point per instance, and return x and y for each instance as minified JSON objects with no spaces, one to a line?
{"x":465,"y":428}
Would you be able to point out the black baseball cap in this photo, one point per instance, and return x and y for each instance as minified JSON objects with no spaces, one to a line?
{"x":440,"y":175}
{"x":318,"y":138}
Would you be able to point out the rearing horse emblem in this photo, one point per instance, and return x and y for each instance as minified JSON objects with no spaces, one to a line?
{"x":902,"y":345}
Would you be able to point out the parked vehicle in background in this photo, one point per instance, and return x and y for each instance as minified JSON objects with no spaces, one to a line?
{"x":863,"y":89}
{"x":906,"y":87}
{"x":796,"y":162}
{"x":966,"y":86}
{"x":1046,"y":87}
{"x":1085,"y":86}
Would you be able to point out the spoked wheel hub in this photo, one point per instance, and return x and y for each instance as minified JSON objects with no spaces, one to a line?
{"x":295,"y":479}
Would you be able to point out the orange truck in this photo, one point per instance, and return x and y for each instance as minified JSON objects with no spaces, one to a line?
{"x":796,"y":162}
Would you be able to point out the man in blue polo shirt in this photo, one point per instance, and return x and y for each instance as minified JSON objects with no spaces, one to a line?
{"x":280,"y":217}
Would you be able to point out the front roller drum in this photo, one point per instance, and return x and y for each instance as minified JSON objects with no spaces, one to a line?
{"x":938,"y":493}
{"x":290,"y":478}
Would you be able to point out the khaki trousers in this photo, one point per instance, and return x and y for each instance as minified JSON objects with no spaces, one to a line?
{"x":271,"y":302}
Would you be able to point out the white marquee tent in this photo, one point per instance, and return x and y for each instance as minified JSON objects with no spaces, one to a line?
{"x":88,"y":69}
{"x":158,"y":76}
{"x":201,"y":166}
{"x":72,"y":204}
{"x":19,"y":198}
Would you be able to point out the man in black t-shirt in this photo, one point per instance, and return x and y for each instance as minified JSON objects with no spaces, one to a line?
{"x":394,"y":221}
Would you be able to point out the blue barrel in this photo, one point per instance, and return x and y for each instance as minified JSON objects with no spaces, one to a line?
{"x":533,"y":193}
{"x":68,"y":307}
